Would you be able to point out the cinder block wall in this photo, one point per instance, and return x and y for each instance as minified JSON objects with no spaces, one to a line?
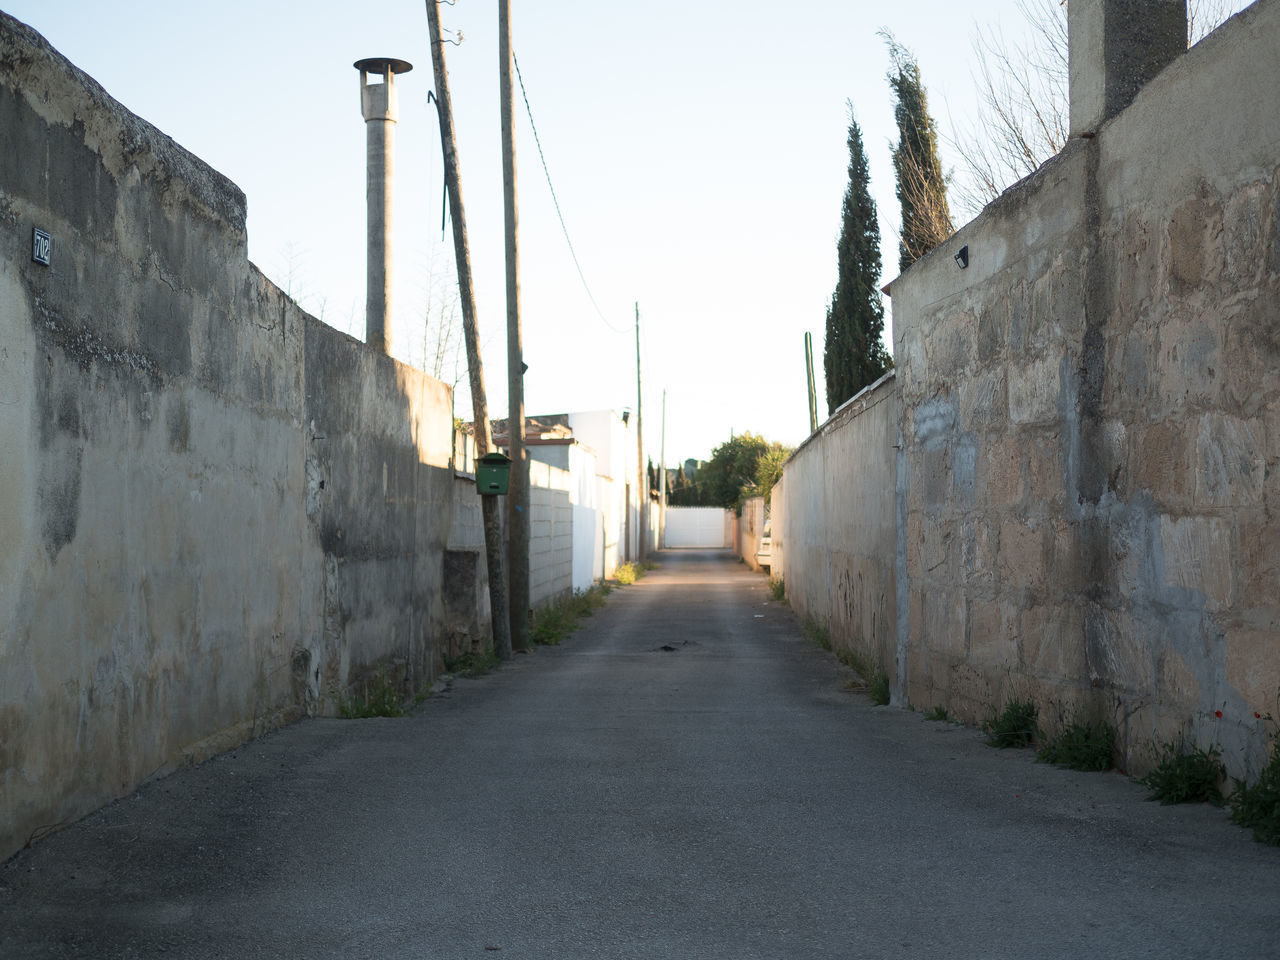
{"x":216,"y":512}
{"x":550,"y":534}
{"x":1089,"y":485}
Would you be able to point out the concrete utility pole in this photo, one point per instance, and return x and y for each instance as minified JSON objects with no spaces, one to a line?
{"x":381,"y":109}
{"x":462,"y":255}
{"x":518,"y":492}
{"x":643,"y":487}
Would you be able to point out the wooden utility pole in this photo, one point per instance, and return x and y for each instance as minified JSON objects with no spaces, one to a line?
{"x":643,"y":487}
{"x":518,"y":493}
{"x":480,"y":408}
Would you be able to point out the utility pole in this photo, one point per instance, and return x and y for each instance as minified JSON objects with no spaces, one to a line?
{"x":643,"y":486}
{"x":813,"y":393}
{"x":518,"y":492}
{"x":462,"y":255}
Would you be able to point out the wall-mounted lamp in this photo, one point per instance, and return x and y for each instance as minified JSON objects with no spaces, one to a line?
{"x":962,"y":257}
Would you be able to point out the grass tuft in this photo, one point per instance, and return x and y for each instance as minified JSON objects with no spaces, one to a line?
{"x":778,"y":588}
{"x":938,"y":715}
{"x":1081,"y":746}
{"x":1187,"y":777}
{"x":1016,"y":726}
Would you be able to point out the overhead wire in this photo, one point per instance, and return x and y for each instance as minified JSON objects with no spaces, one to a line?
{"x":556,"y":201}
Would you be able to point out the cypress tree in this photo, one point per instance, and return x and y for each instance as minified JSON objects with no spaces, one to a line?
{"x":922,"y":189}
{"x":853,"y":354}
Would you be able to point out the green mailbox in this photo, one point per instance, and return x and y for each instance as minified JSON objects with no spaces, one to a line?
{"x":493,"y":475}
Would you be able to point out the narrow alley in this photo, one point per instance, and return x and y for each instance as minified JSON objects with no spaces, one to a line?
{"x":686,"y":776}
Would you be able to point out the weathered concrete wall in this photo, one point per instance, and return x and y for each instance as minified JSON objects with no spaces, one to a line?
{"x":216,"y":512}
{"x":1090,"y":419}
{"x":749,"y":527}
{"x":833,"y":526}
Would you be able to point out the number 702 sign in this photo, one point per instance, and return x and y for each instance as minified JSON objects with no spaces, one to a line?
{"x":41,"y":246}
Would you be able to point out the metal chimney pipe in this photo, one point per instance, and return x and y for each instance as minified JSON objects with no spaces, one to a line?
{"x":381,"y":109}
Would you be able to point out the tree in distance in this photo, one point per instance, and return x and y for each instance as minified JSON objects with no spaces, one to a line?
{"x":853,"y":354}
{"x":922,"y":188}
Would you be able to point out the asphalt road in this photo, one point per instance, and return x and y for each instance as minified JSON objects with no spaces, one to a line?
{"x":685,"y":777}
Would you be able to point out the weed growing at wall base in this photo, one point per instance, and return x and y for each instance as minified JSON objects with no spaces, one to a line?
{"x":553,"y":623}
{"x":778,"y":589}
{"x":878,"y":691}
{"x":1257,"y":805}
{"x":382,"y":700}
{"x":1183,"y":777}
{"x":473,"y":663}
{"x":1081,"y":746}
{"x":1016,"y":726}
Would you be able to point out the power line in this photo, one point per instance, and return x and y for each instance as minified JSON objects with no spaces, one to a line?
{"x":555,"y":200}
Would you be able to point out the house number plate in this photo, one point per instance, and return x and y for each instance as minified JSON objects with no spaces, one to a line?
{"x":41,"y":246}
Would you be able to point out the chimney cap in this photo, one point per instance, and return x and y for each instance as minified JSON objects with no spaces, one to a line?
{"x":381,"y":64}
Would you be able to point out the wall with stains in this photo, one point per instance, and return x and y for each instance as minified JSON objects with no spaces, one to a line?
{"x":216,"y":513}
{"x":834,"y":529}
{"x":1089,"y":485}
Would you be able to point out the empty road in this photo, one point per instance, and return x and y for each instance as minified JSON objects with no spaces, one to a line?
{"x":684,"y":777}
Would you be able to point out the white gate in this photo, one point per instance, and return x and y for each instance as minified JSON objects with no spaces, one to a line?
{"x":704,"y":527}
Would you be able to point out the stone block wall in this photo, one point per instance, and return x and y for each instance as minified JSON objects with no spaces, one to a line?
{"x":1089,"y":415}
{"x":217,"y":513}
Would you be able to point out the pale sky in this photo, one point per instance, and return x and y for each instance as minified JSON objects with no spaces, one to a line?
{"x":697,"y":149}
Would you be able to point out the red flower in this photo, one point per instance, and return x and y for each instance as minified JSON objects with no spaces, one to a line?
{"x":1218,"y":714}
{"x":1257,"y":715}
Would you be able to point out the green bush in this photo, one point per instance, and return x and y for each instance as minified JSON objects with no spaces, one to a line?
{"x":1081,"y":746}
{"x":1016,"y":726}
{"x":626,"y":574}
{"x":1257,"y":805}
{"x":1187,"y":777}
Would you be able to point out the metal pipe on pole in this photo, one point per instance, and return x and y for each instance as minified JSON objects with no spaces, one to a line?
{"x":643,"y":486}
{"x":475,"y":369}
{"x":518,"y":492}
{"x":813,"y":393}
{"x":662,"y":478}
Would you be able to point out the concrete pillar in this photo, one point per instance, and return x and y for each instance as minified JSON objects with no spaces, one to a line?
{"x":1114,"y":48}
{"x":380,"y":106}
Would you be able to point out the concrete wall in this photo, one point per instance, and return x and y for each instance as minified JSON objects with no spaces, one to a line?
{"x":216,"y":512}
{"x":834,"y":530}
{"x":1090,"y":419}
